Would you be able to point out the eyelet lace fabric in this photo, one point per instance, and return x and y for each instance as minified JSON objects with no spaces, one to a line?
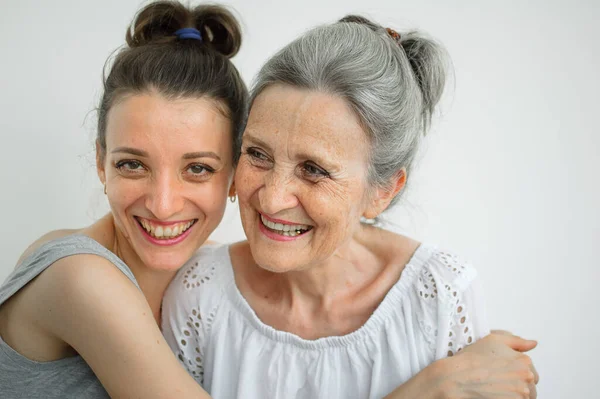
{"x":460,"y":327}
{"x":442,"y":288}
{"x":192,"y":336}
{"x":430,"y":313}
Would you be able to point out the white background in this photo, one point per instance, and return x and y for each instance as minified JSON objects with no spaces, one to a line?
{"x":508,"y":178}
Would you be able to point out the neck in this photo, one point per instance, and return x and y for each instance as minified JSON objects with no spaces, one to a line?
{"x":152,"y":282}
{"x":351,"y":269}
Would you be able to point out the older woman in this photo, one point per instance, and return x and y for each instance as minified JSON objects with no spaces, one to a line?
{"x":317,"y":303}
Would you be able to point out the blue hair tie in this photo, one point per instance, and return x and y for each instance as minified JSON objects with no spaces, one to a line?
{"x":188,"y":33}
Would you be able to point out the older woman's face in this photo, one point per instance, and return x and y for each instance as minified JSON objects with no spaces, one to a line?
{"x":301,"y":179}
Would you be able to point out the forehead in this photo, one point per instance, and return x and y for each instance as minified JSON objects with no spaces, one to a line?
{"x":306,"y":117}
{"x":151,"y":120}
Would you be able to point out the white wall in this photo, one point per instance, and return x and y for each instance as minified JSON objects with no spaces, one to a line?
{"x":507,"y":178}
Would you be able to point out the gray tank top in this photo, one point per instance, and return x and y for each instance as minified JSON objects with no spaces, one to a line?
{"x":65,"y":378}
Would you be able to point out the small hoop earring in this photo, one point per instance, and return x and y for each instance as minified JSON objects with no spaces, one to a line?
{"x":232,"y":199}
{"x":104,"y":188}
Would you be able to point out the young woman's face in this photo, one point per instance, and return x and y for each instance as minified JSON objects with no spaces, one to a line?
{"x":167,"y":168}
{"x":302,"y":177}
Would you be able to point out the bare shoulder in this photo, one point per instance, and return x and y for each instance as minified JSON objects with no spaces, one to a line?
{"x":94,"y":308}
{"x":33,"y":320}
{"x":68,"y":283}
{"x":101,"y":231}
{"x":53,"y":235}
{"x":73,"y":288}
{"x":76,"y":271}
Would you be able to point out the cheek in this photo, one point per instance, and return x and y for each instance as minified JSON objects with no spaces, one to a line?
{"x":211,"y":197}
{"x":332,"y":201}
{"x":336,"y":208}
{"x":124,"y":193}
{"x":247,"y":180}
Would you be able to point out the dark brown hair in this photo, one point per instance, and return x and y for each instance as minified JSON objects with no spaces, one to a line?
{"x":156,"y":59}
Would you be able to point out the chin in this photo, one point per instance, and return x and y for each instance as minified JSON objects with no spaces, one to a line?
{"x":266,"y":261}
{"x":165,"y":262}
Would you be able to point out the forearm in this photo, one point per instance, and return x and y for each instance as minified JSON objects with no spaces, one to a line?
{"x":424,"y":385}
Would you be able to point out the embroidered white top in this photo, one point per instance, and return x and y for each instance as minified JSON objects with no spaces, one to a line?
{"x":434,"y":310}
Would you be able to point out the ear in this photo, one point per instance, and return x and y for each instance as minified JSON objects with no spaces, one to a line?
{"x":383,"y":196}
{"x":232,"y":191}
{"x":100,"y":157}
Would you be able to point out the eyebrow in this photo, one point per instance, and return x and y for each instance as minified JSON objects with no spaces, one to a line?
{"x":257,"y":141}
{"x":318,"y":158}
{"x":129,"y":150}
{"x":189,"y":155}
{"x":201,"y":154}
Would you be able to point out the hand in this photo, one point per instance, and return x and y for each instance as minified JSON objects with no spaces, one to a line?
{"x":493,"y":367}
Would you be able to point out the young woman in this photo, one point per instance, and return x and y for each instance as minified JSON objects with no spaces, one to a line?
{"x":78,"y":317}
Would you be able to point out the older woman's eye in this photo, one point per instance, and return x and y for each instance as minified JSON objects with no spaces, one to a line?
{"x":313,"y":171}
{"x":258,"y":158}
{"x":256,"y":154}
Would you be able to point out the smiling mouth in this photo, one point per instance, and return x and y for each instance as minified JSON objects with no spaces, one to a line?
{"x":161,"y":232}
{"x":287,"y":230}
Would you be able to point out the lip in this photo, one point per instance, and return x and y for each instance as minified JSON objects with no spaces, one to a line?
{"x":281,"y":221}
{"x":275,"y":236}
{"x":158,"y":222}
{"x":170,"y":241}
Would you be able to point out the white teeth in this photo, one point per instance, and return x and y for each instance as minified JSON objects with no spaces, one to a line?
{"x":168,"y":231}
{"x":288,"y":230}
{"x":176,"y":231}
{"x":158,"y":232}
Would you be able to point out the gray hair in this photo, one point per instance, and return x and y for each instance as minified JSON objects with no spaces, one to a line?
{"x":392,"y":83}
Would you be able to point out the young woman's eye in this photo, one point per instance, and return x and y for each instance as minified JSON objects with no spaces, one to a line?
{"x":199,"y":172}
{"x":199,"y":169}
{"x":313,"y":171}
{"x":129,"y":166}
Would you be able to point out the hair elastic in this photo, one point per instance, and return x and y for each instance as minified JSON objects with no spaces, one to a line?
{"x":393,"y":34}
{"x":188,"y":33}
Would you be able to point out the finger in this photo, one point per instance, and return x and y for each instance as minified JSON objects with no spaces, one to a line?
{"x":532,"y":391}
{"x":525,"y":345}
{"x":517,"y":343}
{"x":501,"y":332}
{"x":536,"y":377}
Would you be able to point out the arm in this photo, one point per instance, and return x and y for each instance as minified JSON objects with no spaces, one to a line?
{"x":494,"y":367}
{"x":491,"y":367}
{"x":90,"y":305}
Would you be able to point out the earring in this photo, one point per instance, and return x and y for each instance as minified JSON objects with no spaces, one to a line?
{"x":232,"y":198}
{"x":104,"y":188}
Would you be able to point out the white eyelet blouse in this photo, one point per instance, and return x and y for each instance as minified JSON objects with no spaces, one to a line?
{"x":433,"y":311}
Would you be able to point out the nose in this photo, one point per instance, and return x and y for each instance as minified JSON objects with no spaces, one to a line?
{"x":278,"y":192}
{"x":165,"y":198}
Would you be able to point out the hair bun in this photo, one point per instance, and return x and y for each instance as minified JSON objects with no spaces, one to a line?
{"x":220,"y":29}
{"x":158,"y":22}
